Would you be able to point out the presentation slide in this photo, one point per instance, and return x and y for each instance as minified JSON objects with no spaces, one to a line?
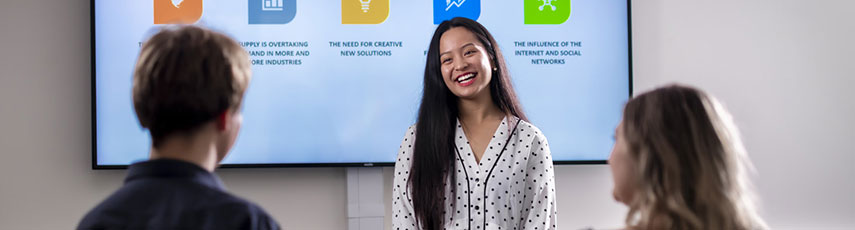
{"x":337,"y":82}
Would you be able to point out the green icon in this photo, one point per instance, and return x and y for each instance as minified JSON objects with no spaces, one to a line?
{"x":546,"y":11}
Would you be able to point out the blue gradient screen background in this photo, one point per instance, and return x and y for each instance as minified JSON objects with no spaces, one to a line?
{"x":350,"y":109}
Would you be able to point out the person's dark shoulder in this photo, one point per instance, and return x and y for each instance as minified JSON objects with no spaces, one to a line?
{"x":101,"y":218}
{"x":232,"y":212}
{"x":192,"y":206}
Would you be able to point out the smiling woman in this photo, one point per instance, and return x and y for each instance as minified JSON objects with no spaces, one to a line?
{"x":477,"y":163}
{"x":465,"y":62}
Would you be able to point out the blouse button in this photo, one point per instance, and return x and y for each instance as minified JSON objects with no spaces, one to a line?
{"x":476,"y":207}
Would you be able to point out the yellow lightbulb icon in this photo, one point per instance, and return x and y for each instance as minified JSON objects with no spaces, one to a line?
{"x":365,"y":5}
{"x":364,"y":11}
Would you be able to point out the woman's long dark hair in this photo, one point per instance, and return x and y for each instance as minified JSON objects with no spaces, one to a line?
{"x":433,"y":158}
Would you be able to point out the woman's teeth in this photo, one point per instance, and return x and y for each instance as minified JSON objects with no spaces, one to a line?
{"x":465,"y":78}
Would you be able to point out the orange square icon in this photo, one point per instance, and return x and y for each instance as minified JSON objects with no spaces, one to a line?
{"x":177,"y":11}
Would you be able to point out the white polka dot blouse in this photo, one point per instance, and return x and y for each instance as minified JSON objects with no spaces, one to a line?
{"x":511,"y":188}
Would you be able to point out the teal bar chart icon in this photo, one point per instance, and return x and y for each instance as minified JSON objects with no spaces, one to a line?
{"x":271,"y":11}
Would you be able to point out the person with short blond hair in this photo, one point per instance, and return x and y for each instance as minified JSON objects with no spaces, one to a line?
{"x":187,"y":91}
{"x":186,"y":77}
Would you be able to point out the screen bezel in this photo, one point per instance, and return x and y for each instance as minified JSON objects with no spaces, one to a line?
{"x":94,"y":135}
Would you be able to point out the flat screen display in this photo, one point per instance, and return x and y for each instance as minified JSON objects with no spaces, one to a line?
{"x":337,"y":83}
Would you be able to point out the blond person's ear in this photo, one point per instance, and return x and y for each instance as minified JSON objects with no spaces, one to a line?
{"x":223,"y":120}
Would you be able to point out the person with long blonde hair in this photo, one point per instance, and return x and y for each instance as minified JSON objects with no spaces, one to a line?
{"x":678,"y":163}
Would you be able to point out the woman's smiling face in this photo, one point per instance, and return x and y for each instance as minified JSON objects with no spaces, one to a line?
{"x":466,"y":65}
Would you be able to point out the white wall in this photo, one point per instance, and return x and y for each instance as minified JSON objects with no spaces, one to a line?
{"x":785,"y":69}
{"x":782,"y":67}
